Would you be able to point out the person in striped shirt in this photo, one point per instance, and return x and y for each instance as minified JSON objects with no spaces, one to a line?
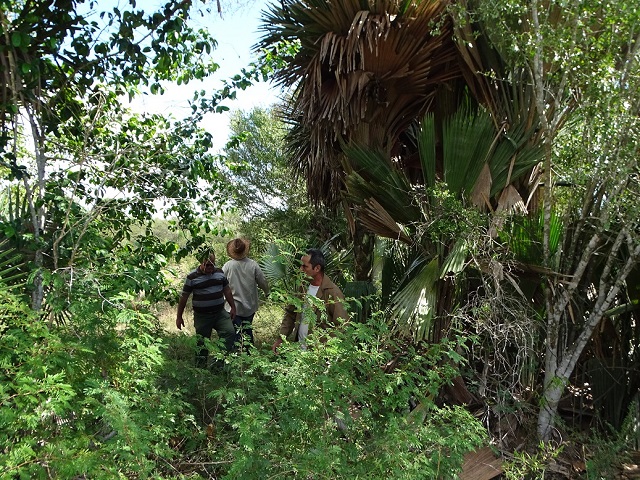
{"x":210,"y":288}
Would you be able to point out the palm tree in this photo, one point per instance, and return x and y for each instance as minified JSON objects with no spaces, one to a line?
{"x":364,"y":71}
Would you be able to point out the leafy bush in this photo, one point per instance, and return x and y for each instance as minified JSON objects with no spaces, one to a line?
{"x":85,"y":400}
{"x":531,"y":466}
{"x":335,"y":411}
{"x":109,"y":394}
{"x":611,"y":451}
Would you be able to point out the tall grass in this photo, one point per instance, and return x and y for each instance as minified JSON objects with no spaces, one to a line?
{"x":266,"y":323}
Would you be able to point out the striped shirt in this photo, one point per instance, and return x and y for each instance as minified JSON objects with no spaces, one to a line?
{"x":207,"y":290}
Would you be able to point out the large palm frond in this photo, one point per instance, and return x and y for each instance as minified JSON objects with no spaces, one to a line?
{"x":385,"y":195}
{"x":415,"y":301}
{"x":281,"y":264}
{"x":504,"y":90}
{"x":467,"y":141}
{"x":524,"y":236}
{"x":373,"y":177}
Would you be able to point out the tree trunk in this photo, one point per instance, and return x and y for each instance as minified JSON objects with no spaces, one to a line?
{"x":363,"y":247}
{"x":37,"y":296}
{"x":554,"y":386}
{"x":561,"y":362}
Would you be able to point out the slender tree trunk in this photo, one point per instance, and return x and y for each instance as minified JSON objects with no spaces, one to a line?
{"x":561,"y":362}
{"x":554,"y":386}
{"x":37,"y":214}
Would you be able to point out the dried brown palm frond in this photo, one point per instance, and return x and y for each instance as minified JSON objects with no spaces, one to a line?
{"x":364,"y":72}
{"x":377,"y":219}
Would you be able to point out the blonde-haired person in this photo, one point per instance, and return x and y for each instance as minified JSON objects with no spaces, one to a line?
{"x":245,"y":277}
{"x":210,"y":289}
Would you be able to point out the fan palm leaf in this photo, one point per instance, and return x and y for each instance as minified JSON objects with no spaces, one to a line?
{"x":524,"y":235}
{"x":514,"y":157}
{"x":374,"y":217}
{"x":415,"y":302}
{"x":467,"y":142}
{"x":373,"y":176}
{"x":471,"y":141}
{"x":279,"y":265}
{"x":10,"y":262}
{"x":456,"y":259}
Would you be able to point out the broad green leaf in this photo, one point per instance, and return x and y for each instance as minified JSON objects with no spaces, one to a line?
{"x":16,"y":39}
{"x":454,"y":263}
{"x":467,"y":140}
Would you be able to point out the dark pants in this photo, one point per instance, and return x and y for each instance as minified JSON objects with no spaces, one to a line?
{"x":205,"y":323}
{"x":244,"y":329}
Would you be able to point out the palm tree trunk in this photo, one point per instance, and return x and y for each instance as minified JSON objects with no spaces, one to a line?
{"x":363,"y":247}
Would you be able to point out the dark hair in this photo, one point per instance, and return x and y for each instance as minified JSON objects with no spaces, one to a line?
{"x":316,"y":257}
{"x":205,"y":253}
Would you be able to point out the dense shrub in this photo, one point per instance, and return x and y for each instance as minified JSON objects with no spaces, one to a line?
{"x":110,"y":395}
{"x":84,"y":400}
{"x":335,"y":411}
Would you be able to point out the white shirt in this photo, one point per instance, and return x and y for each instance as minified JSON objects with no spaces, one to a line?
{"x":245,"y":276}
{"x":308,"y":315}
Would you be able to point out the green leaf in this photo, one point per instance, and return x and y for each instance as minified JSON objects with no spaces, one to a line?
{"x":467,"y":139}
{"x":16,"y":39}
{"x":454,"y":263}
